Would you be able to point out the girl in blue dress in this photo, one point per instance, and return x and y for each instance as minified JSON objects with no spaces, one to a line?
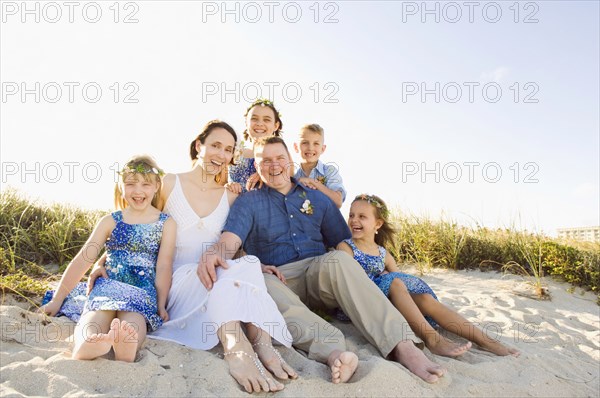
{"x":140,"y":243}
{"x":262,"y":120}
{"x":371,"y":231}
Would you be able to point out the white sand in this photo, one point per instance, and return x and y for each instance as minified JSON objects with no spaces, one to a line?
{"x":559,"y":341}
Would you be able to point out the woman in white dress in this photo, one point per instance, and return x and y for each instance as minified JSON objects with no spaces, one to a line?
{"x":239,"y":299}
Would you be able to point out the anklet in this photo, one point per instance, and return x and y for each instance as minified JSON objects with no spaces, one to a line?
{"x":254,"y":357}
{"x":274,"y":350}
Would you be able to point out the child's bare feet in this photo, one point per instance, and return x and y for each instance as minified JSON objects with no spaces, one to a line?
{"x":247,"y":370}
{"x":440,"y":345}
{"x":343,"y":365}
{"x":273,"y":361}
{"x":408,"y":355}
{"x":126,"y":340}
{"x":96,"y":345}
{"x":500,"y":349}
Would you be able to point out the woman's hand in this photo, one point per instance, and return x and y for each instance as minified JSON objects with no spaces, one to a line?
{"x":98,"y":271}
{"x":162,"y":312}
{"x":234,"y":187}
{"x":51,"y":308}
{"x":273,"y":270}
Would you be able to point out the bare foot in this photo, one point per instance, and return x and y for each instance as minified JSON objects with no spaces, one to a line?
{"x":408,"y":355}
{"x":343,"y":365}
{"x":97,"y":344}
{"x":273,"y":361}
{"x":126,"y":341}
{"x":247,"y":370}
{"x":440,"y":345}
{"x":498,"y":348}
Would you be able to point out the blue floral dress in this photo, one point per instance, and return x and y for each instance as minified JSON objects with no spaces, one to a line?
{"x":374,"y":266}
{"x":242,"y":171}
{"x":132,"y":251}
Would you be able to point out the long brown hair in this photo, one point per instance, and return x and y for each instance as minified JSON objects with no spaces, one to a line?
{"x":385,"y":234}
{"x":269,"y":104}
{"x":206,"y":130}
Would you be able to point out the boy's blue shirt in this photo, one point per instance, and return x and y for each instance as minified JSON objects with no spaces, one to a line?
{"x":329,"y":172}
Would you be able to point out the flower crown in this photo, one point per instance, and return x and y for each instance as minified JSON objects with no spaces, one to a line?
{"x":263,"y":102}
{"x":141,"y":168}
{"x":373,"y":200}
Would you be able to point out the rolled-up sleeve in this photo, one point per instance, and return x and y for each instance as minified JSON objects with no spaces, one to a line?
{"x":240,"y":218}
{"x":334,"y":228}
{"x":333,"y":179}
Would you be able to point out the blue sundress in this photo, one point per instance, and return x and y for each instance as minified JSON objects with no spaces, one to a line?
{"x":242,"y":171}
{"x":374,"y":266}
{"x":132,"y":251}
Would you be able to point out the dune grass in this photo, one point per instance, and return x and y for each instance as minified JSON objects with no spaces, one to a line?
{"x":37,"y":241}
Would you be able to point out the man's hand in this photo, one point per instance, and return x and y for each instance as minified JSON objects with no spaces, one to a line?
{"x":207,"y":269}
{"x":273,"y":270}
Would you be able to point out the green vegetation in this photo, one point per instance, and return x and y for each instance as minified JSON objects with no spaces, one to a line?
{"x":34,"y":236}
{"x":446,"y":244}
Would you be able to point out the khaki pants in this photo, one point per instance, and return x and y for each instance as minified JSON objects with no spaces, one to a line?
{"x":335,"y":280}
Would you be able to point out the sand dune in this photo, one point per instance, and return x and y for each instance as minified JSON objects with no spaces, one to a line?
{"x":559,"y":341}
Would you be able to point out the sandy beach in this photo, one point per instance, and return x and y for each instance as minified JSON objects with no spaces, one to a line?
{"x":559,"y":340}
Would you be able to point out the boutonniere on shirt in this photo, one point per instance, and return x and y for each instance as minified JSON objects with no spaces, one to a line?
{"x":322,"y":180}
{"x":307,"y":207}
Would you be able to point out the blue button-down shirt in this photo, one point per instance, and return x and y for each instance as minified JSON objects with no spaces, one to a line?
{"x":328,"y":172}
{"x":273,"y":228}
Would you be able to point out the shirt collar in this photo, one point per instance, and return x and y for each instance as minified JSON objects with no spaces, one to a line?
{"x":320,"y":167}
{"x":295,"y":186}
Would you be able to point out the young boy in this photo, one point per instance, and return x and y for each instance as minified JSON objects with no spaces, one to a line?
{"x":312,"y":172}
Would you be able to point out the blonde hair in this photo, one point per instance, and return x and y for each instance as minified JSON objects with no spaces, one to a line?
{"x":139,"y":165}
{"x":315,"y":128}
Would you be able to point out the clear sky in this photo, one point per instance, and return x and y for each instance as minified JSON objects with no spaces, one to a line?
{"x":481,"y":112}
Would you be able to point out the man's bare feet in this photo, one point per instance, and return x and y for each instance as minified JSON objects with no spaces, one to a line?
{"x":273,"y":361}
{"x":498,"y":348}
{"x":408,"y":355}
{"x":343,"y":365}
{"x":440,"y":345}
{"x":126,"y":340}
{"x":249,"y":372}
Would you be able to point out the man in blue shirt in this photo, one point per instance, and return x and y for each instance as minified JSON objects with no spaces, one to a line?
{"x":289,"y":226}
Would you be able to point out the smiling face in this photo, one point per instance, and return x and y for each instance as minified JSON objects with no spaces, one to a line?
{"x":138,"y":190}
{"x":310,"y":147}
{"x":362,"y":220}
{"x":273,"y":165}
{"x":216,"y":151}
{"x":260,"y":122}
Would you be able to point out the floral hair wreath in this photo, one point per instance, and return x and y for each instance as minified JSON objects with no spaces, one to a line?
{"x":262,"y":102}
{"x":141,"y":168}
{"x":372,"y":200}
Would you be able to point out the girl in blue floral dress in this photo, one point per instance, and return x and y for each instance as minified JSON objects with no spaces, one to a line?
{"x":140,"y":243}
{"x":371,"y":231}
{"x":262,"y":120}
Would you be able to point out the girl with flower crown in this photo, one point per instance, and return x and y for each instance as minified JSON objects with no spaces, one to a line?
{"x":140,"y":243}
{"x":371,"y":231}
{"x":262,"y":120}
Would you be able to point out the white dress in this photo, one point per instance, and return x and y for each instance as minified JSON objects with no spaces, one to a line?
{"x":239,"y":294}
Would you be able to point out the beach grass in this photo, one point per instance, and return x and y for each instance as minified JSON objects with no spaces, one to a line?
{"x":37,"y":241}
